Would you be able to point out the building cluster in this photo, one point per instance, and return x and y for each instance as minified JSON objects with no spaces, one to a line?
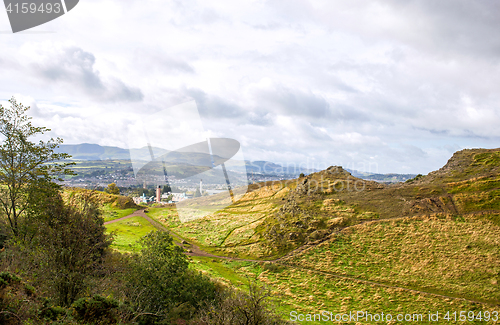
{"x":160,"y":198}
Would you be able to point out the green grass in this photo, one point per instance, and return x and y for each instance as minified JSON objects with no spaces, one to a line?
{"x":127,"y":232}
{"x":111,"y":213}
{"x":459,"y":258}
{"x":166,"y":216}
{"x":308,"y":292}
{"x":488,"y":158}
{"x":437,"y":248}
{"x":224,"y":270}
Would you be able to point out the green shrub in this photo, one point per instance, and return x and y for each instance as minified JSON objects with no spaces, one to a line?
{"x":238,"y":307}
{"x":29,"y":290}
{"x":7,"y":278}
{"x":96,"y":310}
{"x":160,"y":279}
{"x":49,"y":312}
{"x":419,"y":176}
{"x":272,"y":267}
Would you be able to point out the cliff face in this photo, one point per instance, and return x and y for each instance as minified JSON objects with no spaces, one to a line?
{"x":469,"y":163}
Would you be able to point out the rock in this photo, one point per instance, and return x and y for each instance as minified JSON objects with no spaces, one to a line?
{"x":318,"y":234}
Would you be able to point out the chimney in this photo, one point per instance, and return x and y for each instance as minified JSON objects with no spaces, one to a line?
{"x":201,"y":186}
{"x":158,"y":194}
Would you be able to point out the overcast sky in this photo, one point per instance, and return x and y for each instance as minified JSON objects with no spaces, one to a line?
{"x":382,"y":86}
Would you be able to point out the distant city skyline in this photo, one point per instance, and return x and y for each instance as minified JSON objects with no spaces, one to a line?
{"x":381,"y":86}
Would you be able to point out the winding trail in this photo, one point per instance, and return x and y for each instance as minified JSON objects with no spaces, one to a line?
{"x":194,"y":250}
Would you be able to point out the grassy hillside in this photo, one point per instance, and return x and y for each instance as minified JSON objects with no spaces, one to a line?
{"x":275,"y":218}
{"x":113,"y":206}
{"x":339,"y":243}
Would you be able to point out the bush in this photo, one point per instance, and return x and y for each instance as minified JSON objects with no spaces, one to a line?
{"x":160,"y":279}
{"x":272,"y":267}
{"x":419,"y":176}
{"x":49,"y":312}
{"x":96,"y":310}
{"x":65,"y":249}
{"x":234,"y":307}
{"x":7,"y":278}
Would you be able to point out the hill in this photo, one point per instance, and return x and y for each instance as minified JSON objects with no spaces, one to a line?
{"x":332,"y":239}
{"x":88,"y":151}
{"x":101,"y":155}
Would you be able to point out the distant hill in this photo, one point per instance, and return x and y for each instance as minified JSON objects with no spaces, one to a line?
{"x":384,"y":178}
{"x":95,"y":152}
{"x":88,"y":151}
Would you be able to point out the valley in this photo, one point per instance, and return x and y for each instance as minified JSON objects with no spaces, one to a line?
{"x":332,"y":242}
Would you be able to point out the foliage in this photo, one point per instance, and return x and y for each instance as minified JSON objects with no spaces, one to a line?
{"x":160,"y":278}
{"x":144,"y":191}
{"x":112,"y":189}
{"x":50,"y":312}
{"x":96,"y":310}
{"x":25,"y":166}
{"x":416,"y":178}
{"x":66,"y":250}
{"x":235,"y":307}
{"x":7,"y":278}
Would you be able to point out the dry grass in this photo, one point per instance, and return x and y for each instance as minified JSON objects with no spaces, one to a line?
{"x":458,"y":257}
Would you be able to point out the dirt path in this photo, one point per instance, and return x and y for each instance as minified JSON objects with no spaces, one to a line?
{"x":194,"y":250}
{"x":138,"y":213}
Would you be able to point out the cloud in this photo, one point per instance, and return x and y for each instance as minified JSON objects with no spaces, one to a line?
{"x":292,"y":102}
{"x":214,"y":107}
{"x":74,"y":69}
{"x":160,"y":62}
{"x":394,"y":83}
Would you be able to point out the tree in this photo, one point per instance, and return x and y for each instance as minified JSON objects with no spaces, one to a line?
{"x":160,"y":279}
{"x":197,"y":193}
{"x":167,"y":188}
{"x":112,"y":189}
{"x":68,"y":247}
{"x":25,"y":167}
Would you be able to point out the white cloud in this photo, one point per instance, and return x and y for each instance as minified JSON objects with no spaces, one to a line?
{"x":395,"y":84}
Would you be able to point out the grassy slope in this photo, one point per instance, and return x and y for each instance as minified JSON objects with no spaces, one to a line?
{"x":230,"y":228}
{"x":110,"y":213}
{"x":113,"y":206}
{"x":309,"y":292}
{"x":451,"y":257}
{"x":437,"y":234}
{"x":127,"y":233}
